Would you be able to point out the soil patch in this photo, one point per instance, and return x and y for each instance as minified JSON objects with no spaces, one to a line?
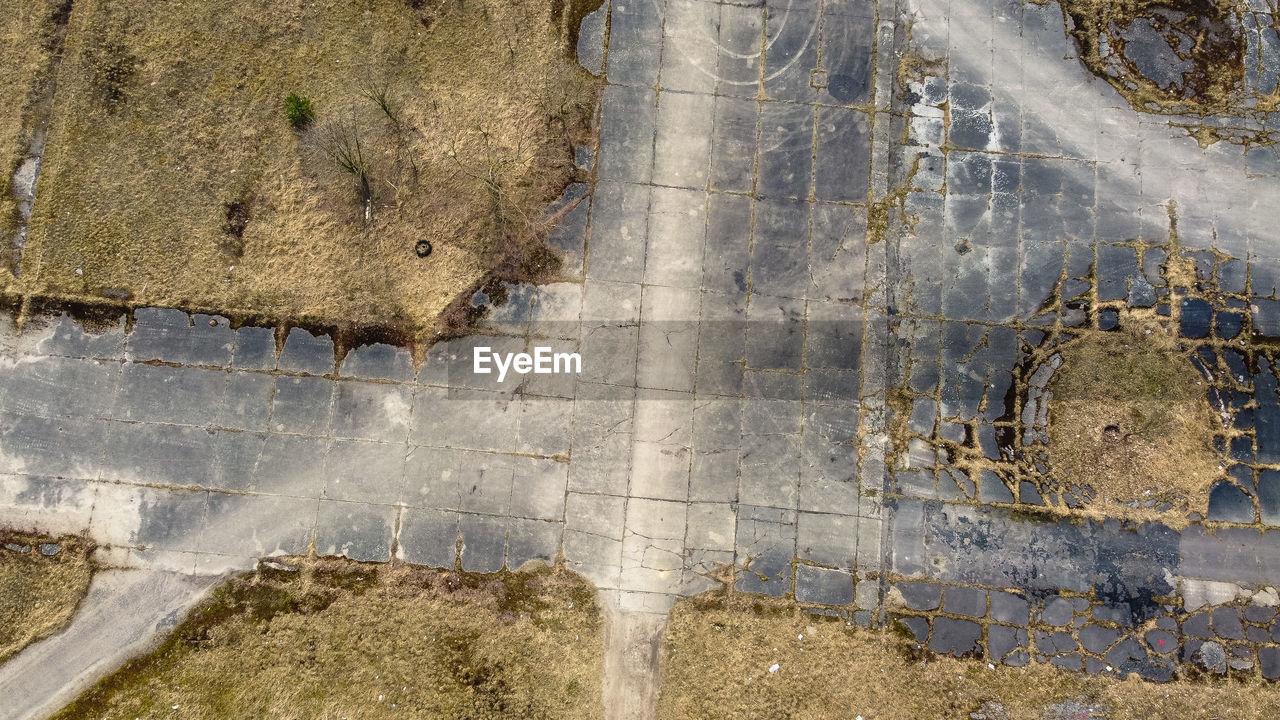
{"x":334,"y":638}
{"x":42,"y":581}
{"x":1130,"y":418}
{"x":176,"y":173}
{"x":720,"y":649}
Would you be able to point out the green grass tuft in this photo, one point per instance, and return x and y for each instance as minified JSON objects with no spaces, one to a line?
{"x":298,"y":111}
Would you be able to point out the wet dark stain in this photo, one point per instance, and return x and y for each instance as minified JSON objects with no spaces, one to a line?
{"x":966,"y":534}
{"x":1006,"y":430}
{"x":112,"y":69}
{"x":848,"y":89}
{"x":61,"y":15}
{"x":1131,"y":564}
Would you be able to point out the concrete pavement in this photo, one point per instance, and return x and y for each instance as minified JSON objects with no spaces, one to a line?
{"x":798,"y":211}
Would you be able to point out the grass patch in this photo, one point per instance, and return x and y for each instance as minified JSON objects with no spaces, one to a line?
{"x":1128,"y":419}
{"x":38,"y":592}
{"x":27,"y":39}
{"x":718,"y":654}
{"x":179,"y":174}
{"x":343,"y":639}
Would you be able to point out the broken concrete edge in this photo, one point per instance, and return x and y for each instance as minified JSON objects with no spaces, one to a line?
{"x":1076,"y":630}
{"x":1021,"y":461}
{"x":27,"y":312}
{"x":1218,"y":67}
{"x":22,"y":540}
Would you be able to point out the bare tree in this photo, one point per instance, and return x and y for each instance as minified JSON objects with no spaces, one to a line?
{"x":342,"y":141}
{"x":501,"y":167}
{"x":379,"y":93}
{"x":496,"y":160}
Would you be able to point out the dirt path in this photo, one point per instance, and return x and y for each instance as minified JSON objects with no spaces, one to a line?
{"x":633,"y":643}
{"x":125,"y":612}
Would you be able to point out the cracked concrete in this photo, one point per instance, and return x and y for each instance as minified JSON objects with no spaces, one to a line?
{"x":820,"y":241}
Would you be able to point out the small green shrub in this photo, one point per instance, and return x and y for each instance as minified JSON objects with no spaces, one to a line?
{"x":298,"y":111}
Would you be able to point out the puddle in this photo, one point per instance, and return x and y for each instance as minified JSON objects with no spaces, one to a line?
{"x":1176,"y":400}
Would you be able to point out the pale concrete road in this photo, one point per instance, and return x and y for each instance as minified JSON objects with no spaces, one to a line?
{"x":714,"y":424}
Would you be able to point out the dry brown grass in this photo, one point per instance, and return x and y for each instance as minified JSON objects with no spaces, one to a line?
{"x":1130,"y":418}
{"x":172,"y":177}
{"x":719,"y":650}
{"x":38,"y":593}
{"x":26,"y":31}
{"x":344,"y":640}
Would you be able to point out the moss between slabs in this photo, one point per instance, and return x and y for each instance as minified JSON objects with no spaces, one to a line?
{"x":720,"y":648}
